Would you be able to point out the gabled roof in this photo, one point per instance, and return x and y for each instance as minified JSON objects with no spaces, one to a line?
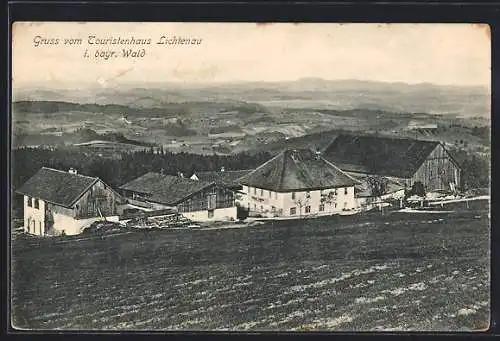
{"x":378,"y":155}
{"x":57,"y":186}
{"x":165,"y":189}
{"x":227,"y":178}
{"x":297,"y":170}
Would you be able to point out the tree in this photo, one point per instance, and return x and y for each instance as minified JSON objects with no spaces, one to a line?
{"x":378,"y":185}
{"x":301,"y":202}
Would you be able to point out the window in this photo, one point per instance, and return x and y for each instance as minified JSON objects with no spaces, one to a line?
{"x":345,"y":191}
{"x":269,"y":194}
{"x":255,"y":207}
{"x":37,"y":204}
{"x":321,"y":208}
{"x":29,"y":202}
{"x":293,"y":195}
{"x":335,"y":191}
{"x":276,"y":195}
{"x":335,"y":205}
{"x":273,"y":209}
{"x":261,"y":208}
{"x":293,"y":211}
{"x":261,"y":192}
{"x":210,"y":213}
{"x":308,"y":194}
{"x":248,"y":190}
{"x":308,"y":209}
{"x":255,"y":191}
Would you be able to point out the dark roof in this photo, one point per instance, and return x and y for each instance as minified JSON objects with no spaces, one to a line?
{"x":165,"y":189}
{"x":295,"y":170}
{"x":57,"y":186}
{"x":227,"y":178}
{"x":378,"y":155}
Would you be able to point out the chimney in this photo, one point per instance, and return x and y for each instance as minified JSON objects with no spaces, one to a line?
{"x":318,"y":154}
{"x":222,"y":169}
{"x":72,"y":171}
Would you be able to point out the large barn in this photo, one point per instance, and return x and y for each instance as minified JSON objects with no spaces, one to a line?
{"x":57,"y":201}
{"x":298,"y":183}
{"x":196,"y":200}
{"x":405,"y":160}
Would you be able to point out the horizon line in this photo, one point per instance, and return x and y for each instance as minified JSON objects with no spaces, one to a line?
{"x":239,"y":81}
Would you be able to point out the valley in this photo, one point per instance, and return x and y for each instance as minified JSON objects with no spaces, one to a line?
{"x":233,"y":118}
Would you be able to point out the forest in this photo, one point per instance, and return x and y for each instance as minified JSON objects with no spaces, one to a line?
{"x":115,"y":172}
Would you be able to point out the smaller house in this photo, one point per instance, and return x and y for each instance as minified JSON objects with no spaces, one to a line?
{"x":298,"y":183}
{"x":57,"y":201}
{"x":196,"y":200}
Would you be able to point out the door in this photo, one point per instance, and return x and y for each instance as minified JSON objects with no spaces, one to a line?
{"x":212,"y":201}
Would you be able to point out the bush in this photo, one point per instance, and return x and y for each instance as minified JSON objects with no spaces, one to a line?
{"x":475,"y":169}
{"x":417,"y":189}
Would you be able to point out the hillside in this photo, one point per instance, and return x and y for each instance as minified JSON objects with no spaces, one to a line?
{"x":200,"y":128}
{"x":402,"y":272}
{"x":234,"y":117}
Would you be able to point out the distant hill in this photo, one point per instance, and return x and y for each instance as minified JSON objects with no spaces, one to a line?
{"x":79,"y":136}
{"x":48,"y":107}
{"x":166,"y":109}
{"x":306,"y":92}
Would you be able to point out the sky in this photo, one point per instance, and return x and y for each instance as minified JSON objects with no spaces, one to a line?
{"x":447,"y":54}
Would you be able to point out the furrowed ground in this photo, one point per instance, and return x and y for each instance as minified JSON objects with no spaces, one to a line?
{"x":402,"y":271}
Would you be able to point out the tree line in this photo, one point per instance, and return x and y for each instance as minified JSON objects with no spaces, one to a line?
{"x":27,"y":161}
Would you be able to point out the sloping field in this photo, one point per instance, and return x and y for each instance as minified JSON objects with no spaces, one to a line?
{"x":396,"y":272}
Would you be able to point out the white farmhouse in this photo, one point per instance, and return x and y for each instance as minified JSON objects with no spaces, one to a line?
{"x":298,"y":183}
{"x":57,"y":201}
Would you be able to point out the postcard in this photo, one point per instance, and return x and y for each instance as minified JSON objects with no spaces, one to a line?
{"x":250,"y":177}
